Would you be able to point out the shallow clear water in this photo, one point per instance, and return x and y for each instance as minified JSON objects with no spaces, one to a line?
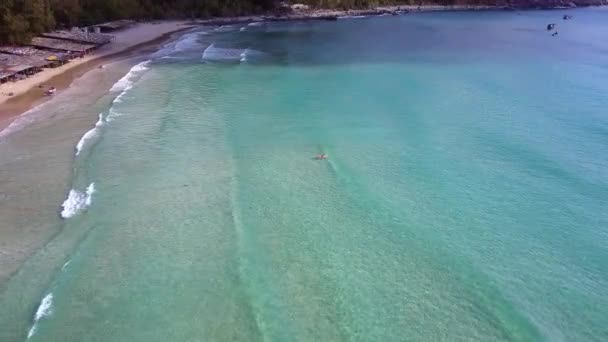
{"x":464,"y":197}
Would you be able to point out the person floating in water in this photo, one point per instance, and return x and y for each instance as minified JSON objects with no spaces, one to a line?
{"x":322,"y":156}
{"x":550,"y":27}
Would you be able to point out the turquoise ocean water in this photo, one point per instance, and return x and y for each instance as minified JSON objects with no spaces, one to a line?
{"x":465,"y":196}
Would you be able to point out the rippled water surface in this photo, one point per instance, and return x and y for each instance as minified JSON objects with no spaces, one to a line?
{"x":465,"y":196}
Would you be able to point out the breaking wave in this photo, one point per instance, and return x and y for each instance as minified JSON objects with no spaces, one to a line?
{"x":216,"y":54}
{"x":224,"y":28}
{"x":352,"y":17}
{"x":90,"y":134}
{"x":65,"y":265}
{"x":77,"y":201}
{"x":213,"y":53}
{"x":44,"y":309}
{"x":126,"y":82}
{"x":187,"y":42}
{"x":113,"y":115}
{"x":251,"y":54}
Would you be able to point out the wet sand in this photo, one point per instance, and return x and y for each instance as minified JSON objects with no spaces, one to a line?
{"x":36,"y":162}
{"x":127,"y":43}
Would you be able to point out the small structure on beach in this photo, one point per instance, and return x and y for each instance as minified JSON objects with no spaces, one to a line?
{"x":113,"y":26}
{"x":5,"y":76}
{"x":17,"y":62}
{"x":49,"y":58}
{"x":17,"y":67}
{"x":62,"y":45}
{"x":82,"y":37}
{"x":50,"y":50}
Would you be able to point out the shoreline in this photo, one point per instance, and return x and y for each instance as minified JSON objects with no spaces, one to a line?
{"x":334,"y":14}
{"x":29,"y":94}
{"x":26,"y":291}
{"x":128,"y":43}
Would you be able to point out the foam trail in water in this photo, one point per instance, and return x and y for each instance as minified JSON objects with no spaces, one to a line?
{"x":224,"y":28}
{"x":44,"y":309}
{"x":77,"y":201}
{"x":90,"y":134}
{"x":352,"y":17}
{"x":112,"y":115}
{"x":126,"y":83}
{"x":127,"y":80}
{"x":213,"y":53}
{"x":251,"y":54}
{"x":67,"y":263}
{"x":188,"y":42}
{"x":118,"y":98}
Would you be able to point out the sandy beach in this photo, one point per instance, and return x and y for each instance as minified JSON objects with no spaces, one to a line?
{"x":76,"y":80}
{"x":25,"y":93}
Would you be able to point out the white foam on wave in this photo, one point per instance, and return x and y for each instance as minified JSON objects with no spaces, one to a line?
{"x":256,"y":23}
{"x":122,"y":84}
{"x":126,"y":82}
{"x":249,"y":54}
{"x":77,"y":201}
{"x":44,"y":309}
{"x":67,"y":263}
{"x":187,"y":42}
{"x":213,"y":53}
{"x":352,"y":17}
{"x":224,"y":28}
{"x":243,"y":28}
{"x":90,"y":134}
{"x":112,"y":115}
{"x":118,"y":98}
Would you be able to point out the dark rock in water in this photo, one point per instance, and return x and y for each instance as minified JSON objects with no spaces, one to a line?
{"x":550,"y":27}
{"x":329,"y":17}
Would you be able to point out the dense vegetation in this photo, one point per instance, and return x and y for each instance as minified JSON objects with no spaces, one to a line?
{"x":21,"y":19}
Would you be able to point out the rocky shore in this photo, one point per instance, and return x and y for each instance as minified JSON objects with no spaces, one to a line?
{"x":304,"y":14}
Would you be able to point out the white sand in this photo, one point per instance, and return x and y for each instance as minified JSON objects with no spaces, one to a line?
{"x":138,"y":34}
